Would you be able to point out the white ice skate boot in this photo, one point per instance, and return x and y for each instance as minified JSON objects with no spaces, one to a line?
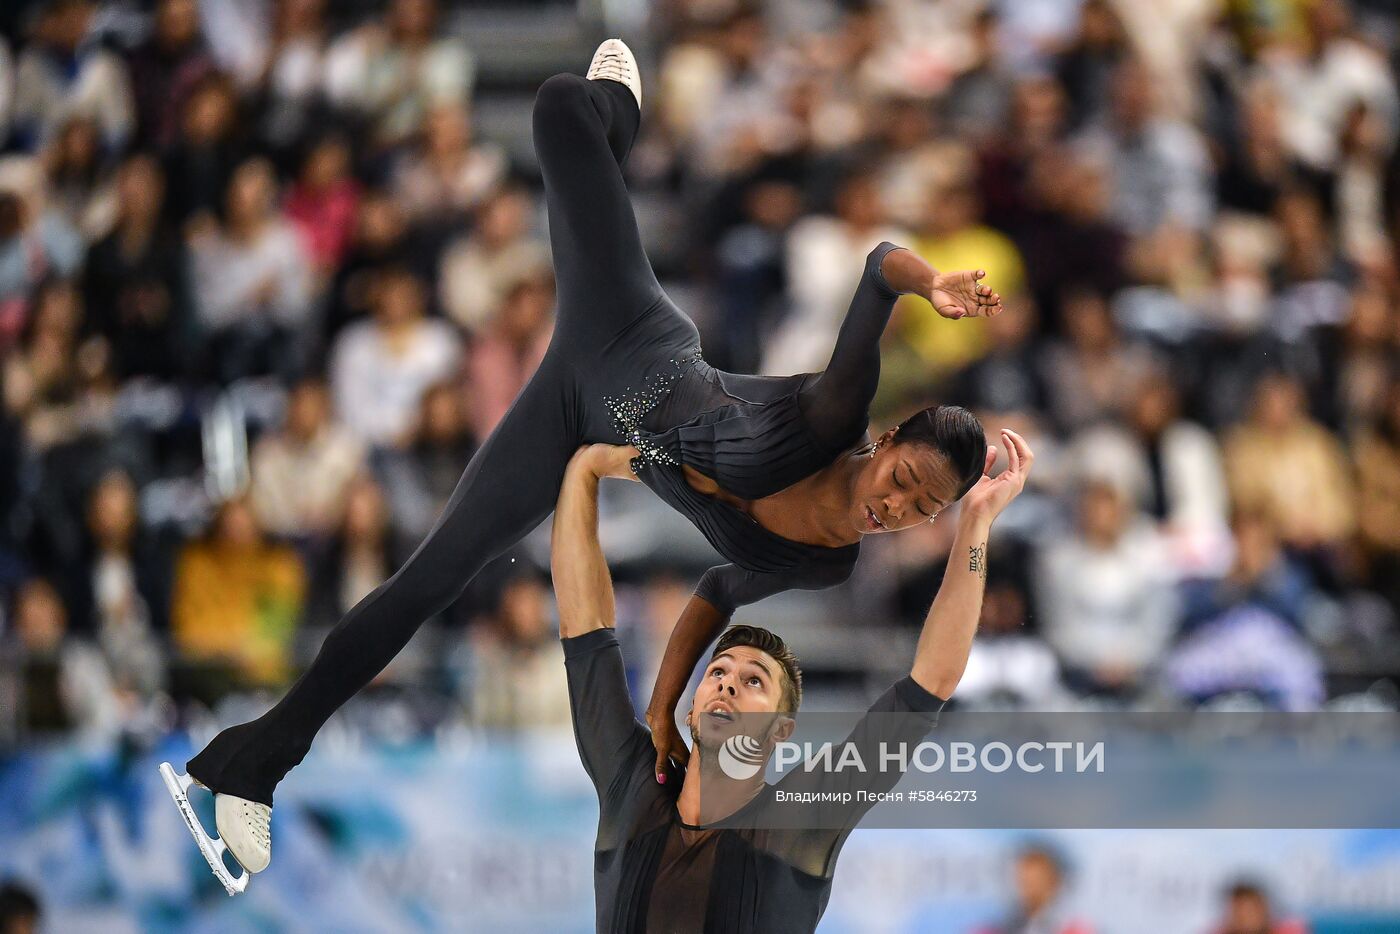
{"x":614,"y":62}
{"x":243,"y":827}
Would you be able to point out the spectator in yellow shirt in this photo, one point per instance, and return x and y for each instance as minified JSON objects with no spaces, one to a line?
{"x":238,"y":599}
{"x":1290,"y":468}
{"x":953,"y":236}
{"x":1377,"y":457}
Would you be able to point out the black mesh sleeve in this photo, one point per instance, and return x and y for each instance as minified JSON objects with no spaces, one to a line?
{"x":728,"y":586}
{"x":903,"y":714}
{"x":837,"y":404}
{"x":606,"y":728}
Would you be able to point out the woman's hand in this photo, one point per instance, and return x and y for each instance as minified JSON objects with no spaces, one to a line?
{"x":991,"y":495}
{"x":953,"y":295}
{"x":962,"y":295}
{"x":606,"y":460}
{"x":668,"y":742}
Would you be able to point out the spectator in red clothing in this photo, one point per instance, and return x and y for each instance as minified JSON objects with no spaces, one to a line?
{"x":1248,"y":911}
{"x":322,"y":203}
{"x":1040,"y":879}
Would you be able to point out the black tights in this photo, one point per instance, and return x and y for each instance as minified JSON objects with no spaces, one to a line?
{"x":615,"y":326}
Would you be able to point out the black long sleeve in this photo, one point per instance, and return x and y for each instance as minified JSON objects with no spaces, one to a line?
{"x":605,"y":726}
{"x":728,"y":586}
{"x":836,"y":405}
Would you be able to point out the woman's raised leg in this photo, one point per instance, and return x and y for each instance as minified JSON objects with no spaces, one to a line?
{"x":583,"y":130}
{"x":508,"y":488}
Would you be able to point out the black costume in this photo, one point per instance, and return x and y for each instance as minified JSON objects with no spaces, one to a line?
{"x":653,"y":872}
{"x":624,"y":366}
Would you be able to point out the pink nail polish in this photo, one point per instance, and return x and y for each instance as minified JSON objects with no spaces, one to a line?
{"x":661,"y":777}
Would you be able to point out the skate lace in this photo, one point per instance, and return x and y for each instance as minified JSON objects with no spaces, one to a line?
{"x":609,"y":64}
{"x":258,"y":820}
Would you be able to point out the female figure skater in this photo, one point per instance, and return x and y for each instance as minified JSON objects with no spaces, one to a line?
{"x":776,"y":472}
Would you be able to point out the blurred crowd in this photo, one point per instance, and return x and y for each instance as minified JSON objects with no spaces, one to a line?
{"x":1041,"y":882}
{"x":264,"y":288}
{"x":1037,"y":891}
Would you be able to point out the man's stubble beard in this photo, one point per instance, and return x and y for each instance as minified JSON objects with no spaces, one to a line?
{"x":702,"y":749}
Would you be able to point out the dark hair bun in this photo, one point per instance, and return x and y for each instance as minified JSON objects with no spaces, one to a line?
{"x":954,"y":432}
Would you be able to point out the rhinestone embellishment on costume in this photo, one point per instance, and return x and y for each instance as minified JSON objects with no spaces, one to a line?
{"x":631,"y":407}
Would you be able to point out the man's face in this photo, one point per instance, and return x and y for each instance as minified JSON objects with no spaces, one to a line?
{"x":741,"y":682}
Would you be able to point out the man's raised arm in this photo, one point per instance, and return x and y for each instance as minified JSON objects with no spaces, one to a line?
{"x":582,"y":585}
{"x":946,"y":640}
{"x":607,"y":732}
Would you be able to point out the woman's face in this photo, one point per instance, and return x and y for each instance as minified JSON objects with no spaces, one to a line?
{"x":901,"y":486}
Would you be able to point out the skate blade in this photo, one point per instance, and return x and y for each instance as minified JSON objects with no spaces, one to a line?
{"x":212,"y":848}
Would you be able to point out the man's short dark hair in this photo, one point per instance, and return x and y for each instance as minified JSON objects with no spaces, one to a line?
{"x":766,"y":641}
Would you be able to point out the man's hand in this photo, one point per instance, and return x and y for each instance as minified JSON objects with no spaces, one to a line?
{"x":668,"y":742}
{"x":946,"y":640}
{"x":991,"y":495}
{"x":606,"y":460}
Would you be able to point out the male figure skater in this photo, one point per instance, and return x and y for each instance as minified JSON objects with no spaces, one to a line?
{"x":660,"y":863}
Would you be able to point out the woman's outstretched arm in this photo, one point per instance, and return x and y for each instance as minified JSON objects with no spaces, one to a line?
{"x":720,"y":592}
{"x":700,"y":624}
{"x":837,"y":403}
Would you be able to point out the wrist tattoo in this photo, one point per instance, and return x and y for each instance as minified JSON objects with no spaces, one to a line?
{"x":977,"y":560}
